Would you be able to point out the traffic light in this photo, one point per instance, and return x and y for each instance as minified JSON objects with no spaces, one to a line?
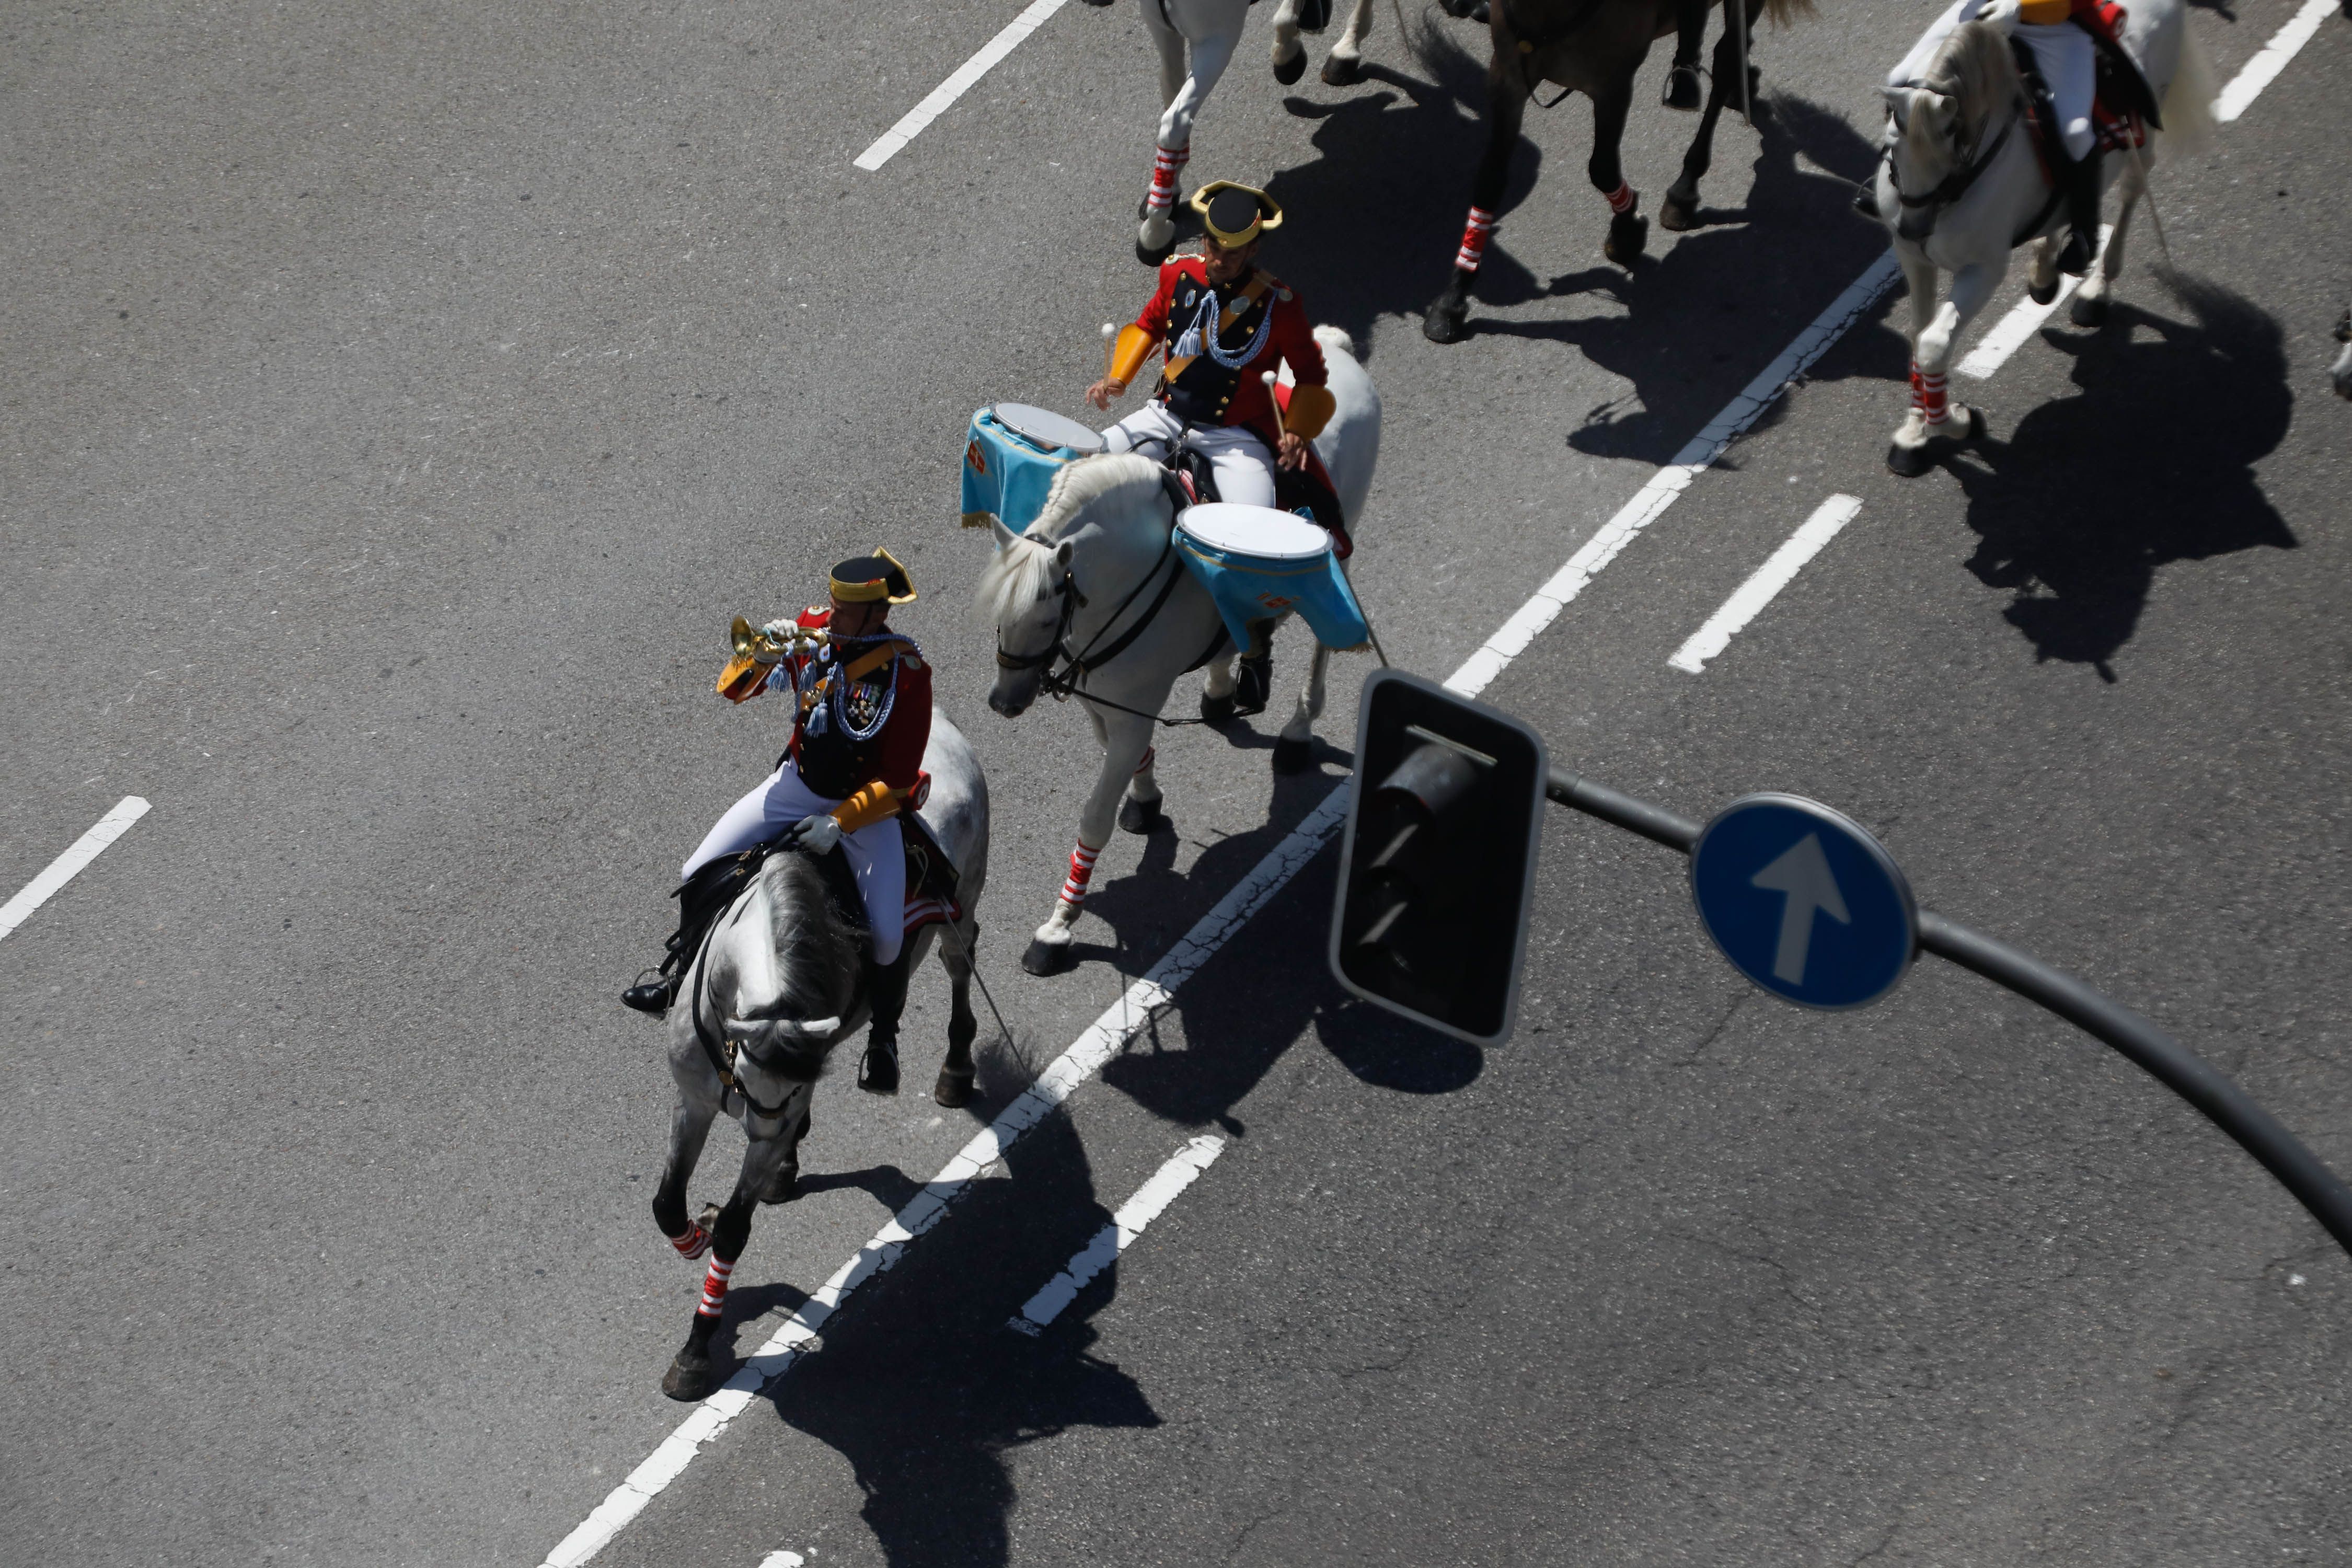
{"x":1439,"y":860}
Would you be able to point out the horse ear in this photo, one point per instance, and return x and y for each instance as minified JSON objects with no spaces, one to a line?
{"x":1005,"y":536}
{"x":1062,"y":552}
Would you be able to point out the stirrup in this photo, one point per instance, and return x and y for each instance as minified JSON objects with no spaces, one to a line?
{"x":1682,"y":90}
{"x":2075,"y":257}
{"x":651,"y":997}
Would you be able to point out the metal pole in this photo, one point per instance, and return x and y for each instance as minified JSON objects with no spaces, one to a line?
{"x":2161,"y":1057}
{"x":2157,"y":1054}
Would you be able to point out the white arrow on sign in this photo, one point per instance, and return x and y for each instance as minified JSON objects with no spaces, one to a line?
{"x":1803,"y":877}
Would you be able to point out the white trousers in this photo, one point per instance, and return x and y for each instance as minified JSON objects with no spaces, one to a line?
{"x":2063,"y":54}
{"x":1245,"y":468}
{"x":877,"y":856}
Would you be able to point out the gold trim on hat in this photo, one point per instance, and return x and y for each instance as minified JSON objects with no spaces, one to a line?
{"x":1269,"y":213}
{"x":880,"y":588}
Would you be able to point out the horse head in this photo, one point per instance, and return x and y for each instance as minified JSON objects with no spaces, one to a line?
{"x":1940,"y":121}
{"x":783,"y":969}
{"x":1028,"y":593}
{"x":1104,"y":524}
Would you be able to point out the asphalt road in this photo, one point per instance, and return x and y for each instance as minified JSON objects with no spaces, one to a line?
{"x":398,"y":408}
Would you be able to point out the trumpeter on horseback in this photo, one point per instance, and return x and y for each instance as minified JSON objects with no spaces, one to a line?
{"x":861,"y":720}
{"x":1225,"y":325}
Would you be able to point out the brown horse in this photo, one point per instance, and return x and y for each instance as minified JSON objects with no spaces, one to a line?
{"x":1592,"y":46}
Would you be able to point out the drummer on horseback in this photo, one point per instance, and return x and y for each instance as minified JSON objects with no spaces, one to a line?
{"x":1224,"y":324}
{"x":861,"y":720}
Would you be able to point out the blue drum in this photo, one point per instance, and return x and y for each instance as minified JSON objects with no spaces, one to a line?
{"x":1257,"y":563}
{"x":1011,"y":458}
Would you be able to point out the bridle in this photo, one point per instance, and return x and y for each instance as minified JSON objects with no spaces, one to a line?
{"x":1954,"y":185}
{"x":721,"y":1050}
{"x":1068,"y":680}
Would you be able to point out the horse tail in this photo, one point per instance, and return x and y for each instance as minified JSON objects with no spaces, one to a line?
{"x":2189,"y":124}
{"x":1788,"y":13}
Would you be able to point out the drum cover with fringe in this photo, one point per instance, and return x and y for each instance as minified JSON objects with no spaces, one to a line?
{"x":1257,"y":563}
{"x":1010,"y":459}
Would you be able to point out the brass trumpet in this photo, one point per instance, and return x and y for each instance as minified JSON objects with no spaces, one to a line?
{"x":759,"y":649}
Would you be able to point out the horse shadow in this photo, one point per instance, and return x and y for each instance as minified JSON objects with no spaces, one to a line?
{"x":2073,"y":517}
{"x":927,"y":1393}
{"x":1363,"y":259}
{"x":1743,"y":269}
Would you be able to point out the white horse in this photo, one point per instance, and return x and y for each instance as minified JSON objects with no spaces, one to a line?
{"x":1960,"y":188}
{"x":1208,"y":31}
{"x":1085,"y":575}
{"x":2340,"y":373}
{"x":775,"y":988}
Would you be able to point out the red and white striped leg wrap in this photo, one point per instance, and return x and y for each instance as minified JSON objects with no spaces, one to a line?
{"x":1621,"y":199}
{"x":1916,"y":396}
{"x":1082,"y":871}
{"x":693,"y":1244}
{"x":1149,"y":753}
{"x":1475,"y":236}
{"x":1165,"y":164}
{"x":714,"y":1289}
{"x":1932,"y":400}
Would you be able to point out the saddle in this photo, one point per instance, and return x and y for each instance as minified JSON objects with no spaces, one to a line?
{"x":1306,"y":491}
{"x":2123,"y":105}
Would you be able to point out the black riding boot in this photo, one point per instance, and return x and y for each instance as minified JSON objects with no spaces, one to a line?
{"x":886,"y":993}
{"x":2082,"y":215}
{"x":699,"y":898}
{"x":1682,"y":90}
{"x":1254,"y":671}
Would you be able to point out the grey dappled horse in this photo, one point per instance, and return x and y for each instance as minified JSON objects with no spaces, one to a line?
{"x":775,"y":988}
{"x":1961,"y":186}
{"x":1073,"y":582}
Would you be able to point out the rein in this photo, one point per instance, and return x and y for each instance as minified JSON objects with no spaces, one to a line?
{"x":1066,"y":682}
{"x":1955,"y":185}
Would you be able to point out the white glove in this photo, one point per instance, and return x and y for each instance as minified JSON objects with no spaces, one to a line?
{"x":819,"y":833}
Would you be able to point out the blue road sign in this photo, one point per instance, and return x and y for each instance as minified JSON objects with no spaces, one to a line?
{"x":1804,"y":902}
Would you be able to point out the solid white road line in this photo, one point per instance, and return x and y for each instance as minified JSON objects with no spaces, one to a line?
{"x":910,"y":124}
{"x":1183,"y":1168}
{"x":1668,"y":483}
{"x":782,"y":1559}
{"x":2025,"y":319}
{"x":1777,"y":573}
{"x":2269,"y":60}
{"x":68,"y":865}
{"x":1125,"y":1018}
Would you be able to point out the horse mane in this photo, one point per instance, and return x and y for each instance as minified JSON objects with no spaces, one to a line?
{"x":1974,"y":68}
{"x":815,"y":950}
{"x":1021,"y":572}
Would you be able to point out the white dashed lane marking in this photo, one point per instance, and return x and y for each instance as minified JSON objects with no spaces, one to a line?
{"x":1150,"y":1200}
{"x":1748,"y":601}
{"x":2269,"y":60}
{"x":69,"y":866}
{"x":911,"y":123}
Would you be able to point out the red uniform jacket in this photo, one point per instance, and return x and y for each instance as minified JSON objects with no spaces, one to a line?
{"x":1201,"y":389}
{"x":831,"y":761}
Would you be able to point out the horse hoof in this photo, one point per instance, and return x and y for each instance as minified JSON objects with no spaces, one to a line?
{"x":1907,"y":462}
{"x":689,"y":1378}
{"x":1677,"y":215}
{"x":1293,"y":756}
{"x":1216,"y":710}
{"x":1340,"y":71}
{"x":1139,"y":816}
{"x":1447,"y":321}
{"x":1045,"y":958}
{"x":1628,"y":233}
{"x":953,"y":1091}
{"x":2088,"y":311}
{"x":1151,"y":254}
{"x":785,"y":1185}
{"x":1290,"y":71}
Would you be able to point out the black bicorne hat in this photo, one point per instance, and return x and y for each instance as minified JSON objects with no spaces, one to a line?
{"x":865,"y":578}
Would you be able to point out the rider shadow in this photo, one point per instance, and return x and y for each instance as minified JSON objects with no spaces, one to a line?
{"x":1242,"y":1013}
{"x":1744,"y":268}
{"x":1148,"y":908}
{"x":927,"y":1393}
{"x":1362,"y":259}
{"x":2076,"y":521}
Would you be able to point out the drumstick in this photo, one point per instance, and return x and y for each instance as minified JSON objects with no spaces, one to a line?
{"x":1280,"y":426}
{"x":1110,"y":333}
